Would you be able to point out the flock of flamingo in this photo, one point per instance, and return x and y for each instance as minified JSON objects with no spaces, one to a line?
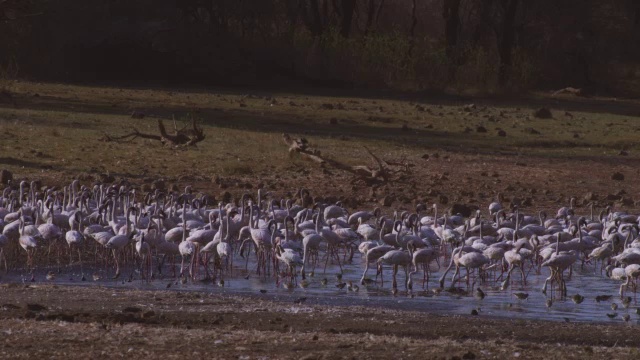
{"x":116,"y":227}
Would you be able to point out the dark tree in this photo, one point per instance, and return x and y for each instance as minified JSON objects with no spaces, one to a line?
{"x":451,"y":16}
{"x":506,"y":38}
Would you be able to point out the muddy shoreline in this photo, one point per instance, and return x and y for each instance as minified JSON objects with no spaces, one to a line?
{"x":53,"y":320}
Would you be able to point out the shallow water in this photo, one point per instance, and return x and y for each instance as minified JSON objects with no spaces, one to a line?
{"x":497,"y":303}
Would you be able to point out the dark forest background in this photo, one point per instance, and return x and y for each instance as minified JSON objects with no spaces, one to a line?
{"x":442,"y":45}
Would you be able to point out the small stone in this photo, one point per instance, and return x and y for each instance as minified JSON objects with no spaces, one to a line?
{"x":226,"y":197}
{"x":461,"y":209}
{"x":543,"y":113}
{"x":137,"y":115}
{"x":617,"y":176}
{"x":469,"y":107}
{"x":590,"y":196}
{"x":35,"y":307}
{"x":425,"y":156}
{"x":387,"y":200}
{"x":481,"y":129}
{"x":613,"y":197}
{"x":107,"y":178}
{"x":158,"y":184}
{"x":469,"y":356}
{"x":6,"y":176}
{"x":502,"y":133}
{"x":627,"y":201}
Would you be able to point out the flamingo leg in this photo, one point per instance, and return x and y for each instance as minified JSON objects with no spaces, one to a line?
{"x":115,"y":258}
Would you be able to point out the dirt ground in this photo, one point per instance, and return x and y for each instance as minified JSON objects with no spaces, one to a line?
{"x":50,"y":321}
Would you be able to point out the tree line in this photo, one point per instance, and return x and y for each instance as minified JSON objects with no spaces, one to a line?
{"x":406,"y":44}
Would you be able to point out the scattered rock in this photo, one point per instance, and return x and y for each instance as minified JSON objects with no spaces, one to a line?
{"x":131,"y":309}
{"x":35,"y":307}
{"x":590,"y":196}
{"x":425,"y":156}
{"x":462,"y":209}
{"x":226,"y":197}
{"x":6,"y":176}
{"x":627,"y":201}
{"x":137,"y":115}
{"x":613,"y":197}
{"x":502,"y":133}
{"x":432,"y":192}
{"x":158,"y":185}
{"x":543,"y":113}
{"x":85,"y":177}
{"x":481,"y":129}
{"x":469,"y":356}
{"x":387,"y":200}
{"x":617,"y":176}
{"x":469,"y":107}
{"x":107,"y":178}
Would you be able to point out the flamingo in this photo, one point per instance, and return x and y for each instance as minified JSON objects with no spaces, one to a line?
{"x":424,"y":257}
{"x":118,"y":242}
{"x":29,"y":244}
{"x":290,"y":258}
{"x":372,"y":255}
{"x":558,"y":263}
{"x":75,"y":238}
{"x":398,"y":258}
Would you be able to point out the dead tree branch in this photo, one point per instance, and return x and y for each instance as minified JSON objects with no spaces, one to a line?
{"x":379,"y":173}
{"x":182,"y":137}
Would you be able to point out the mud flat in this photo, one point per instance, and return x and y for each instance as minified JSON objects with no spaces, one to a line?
{"x":53,"y":321}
